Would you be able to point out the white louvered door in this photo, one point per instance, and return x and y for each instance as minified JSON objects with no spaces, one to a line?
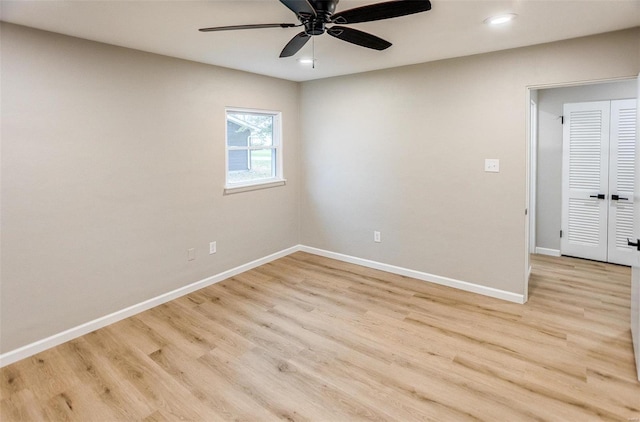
{"x":585,"y":177}
{"x":598,"y":180}
{"x":621,"y":181}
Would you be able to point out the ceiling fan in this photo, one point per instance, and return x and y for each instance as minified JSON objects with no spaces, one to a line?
{"x":315,"y":15}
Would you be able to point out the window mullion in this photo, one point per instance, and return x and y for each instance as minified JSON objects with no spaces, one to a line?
{"x":250,"y":148}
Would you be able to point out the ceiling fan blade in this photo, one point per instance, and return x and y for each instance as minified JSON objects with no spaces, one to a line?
{"x":256,"y":26}
{"x":295,"y":45}
{"x":300,"y":7}
{"x":357,"y":37}
{"x":378,"y":11}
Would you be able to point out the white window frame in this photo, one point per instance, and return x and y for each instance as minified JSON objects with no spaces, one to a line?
{"x":277,"y":146}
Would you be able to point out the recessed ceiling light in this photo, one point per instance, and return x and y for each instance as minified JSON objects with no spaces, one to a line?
{"x":306,"y":61}
{"x":500,"y":19}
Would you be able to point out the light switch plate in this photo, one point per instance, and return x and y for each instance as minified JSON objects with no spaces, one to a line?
{"x":492,"y":165}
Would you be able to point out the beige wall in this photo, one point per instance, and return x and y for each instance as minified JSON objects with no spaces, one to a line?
{"x":112,"y":167}
{"x":402,"y":151}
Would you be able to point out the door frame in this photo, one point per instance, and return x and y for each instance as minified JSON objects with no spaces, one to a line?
{"x":531,"y":179}
{"x":533,"y":171}
{"x":635,"y":268}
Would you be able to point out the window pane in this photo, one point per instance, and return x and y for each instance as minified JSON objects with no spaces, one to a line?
{"x":239,"y":160}
{"x":249,"y":129}
{"x":237,"y":134}
{"x":261,"y":165}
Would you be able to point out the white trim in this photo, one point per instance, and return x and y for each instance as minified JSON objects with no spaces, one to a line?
{"x":533,"y":171}
{"x":229,"y":190}
{"x":547,"y":251}
{"x":529,"y":229}
{"x":445,"y":281}
{"x":82,"y":329}
{"x":580,"y":83}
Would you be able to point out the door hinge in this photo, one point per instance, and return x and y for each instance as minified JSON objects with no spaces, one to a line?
{"x":561,"y":120}
{"x":560,"y":233}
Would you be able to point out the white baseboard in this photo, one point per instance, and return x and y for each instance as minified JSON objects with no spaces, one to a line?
{"x":445,"y":281}
{"x":75,"y":332}
{"x":80,"y":330}
{"x":547,"y":251}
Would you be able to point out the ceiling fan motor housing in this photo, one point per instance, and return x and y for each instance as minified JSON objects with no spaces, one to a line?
{"x":315,"y":25}
{"x":324,"y":7}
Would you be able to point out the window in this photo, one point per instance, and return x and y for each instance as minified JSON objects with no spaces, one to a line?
{"x":254,"y":149}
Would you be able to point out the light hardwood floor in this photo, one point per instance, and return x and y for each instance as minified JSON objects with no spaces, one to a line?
{"x":309,"y":338}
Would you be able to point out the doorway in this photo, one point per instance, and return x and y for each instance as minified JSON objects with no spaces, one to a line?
{"x":545,"y":153}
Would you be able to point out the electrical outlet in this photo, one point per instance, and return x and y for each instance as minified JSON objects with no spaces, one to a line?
{"x":376,"y":237}
{"x":212,"y":248}
{"x":191,"y":254}
{"x":492,"y":165}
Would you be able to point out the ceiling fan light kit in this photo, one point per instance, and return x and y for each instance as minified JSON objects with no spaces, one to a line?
{"x":315,"y":15}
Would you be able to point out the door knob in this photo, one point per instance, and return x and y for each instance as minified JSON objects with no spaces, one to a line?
{"x":617,"y":197}
{"x":636,"y":243}
{"x":599,"y":196}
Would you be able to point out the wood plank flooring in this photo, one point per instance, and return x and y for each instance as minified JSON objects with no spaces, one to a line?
{"x":306,"y":338}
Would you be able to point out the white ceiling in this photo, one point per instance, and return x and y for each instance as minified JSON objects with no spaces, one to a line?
{"x":453,"y":28}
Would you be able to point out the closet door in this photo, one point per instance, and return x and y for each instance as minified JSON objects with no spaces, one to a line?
{"x":621,"y":181}
{"x":585,"y":171}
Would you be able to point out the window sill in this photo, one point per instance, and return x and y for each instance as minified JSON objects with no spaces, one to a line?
{"x":229,"y":190}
